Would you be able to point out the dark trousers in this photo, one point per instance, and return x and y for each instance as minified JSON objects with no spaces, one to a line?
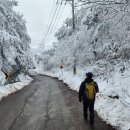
{"x":90,"y":105}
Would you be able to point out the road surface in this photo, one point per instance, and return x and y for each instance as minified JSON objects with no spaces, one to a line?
{"x":45,"y":104}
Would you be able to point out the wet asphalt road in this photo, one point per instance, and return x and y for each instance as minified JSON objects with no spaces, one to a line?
{"x":45,"y":104}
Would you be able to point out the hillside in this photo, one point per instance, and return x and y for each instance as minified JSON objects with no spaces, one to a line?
{"x":14,"y":43}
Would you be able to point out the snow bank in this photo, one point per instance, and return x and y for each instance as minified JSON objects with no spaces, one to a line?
{"x":114,"y":110}
{"x":11,"y":88}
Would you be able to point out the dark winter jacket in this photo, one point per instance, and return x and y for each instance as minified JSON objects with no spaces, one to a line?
{"x":82,"y":95}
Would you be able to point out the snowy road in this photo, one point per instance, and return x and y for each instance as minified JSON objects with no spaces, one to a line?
{"x":46,"y":104}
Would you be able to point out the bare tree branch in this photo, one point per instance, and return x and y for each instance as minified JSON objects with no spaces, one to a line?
{"x":101,"y":3}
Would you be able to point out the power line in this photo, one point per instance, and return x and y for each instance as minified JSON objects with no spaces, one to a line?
{"x":54,"y":13}
{"x":49,"y":20}
{"x":55,"y":18}
{"x":59,"y":14}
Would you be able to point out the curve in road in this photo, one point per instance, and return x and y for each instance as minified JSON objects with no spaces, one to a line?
{"x":45,"y":104}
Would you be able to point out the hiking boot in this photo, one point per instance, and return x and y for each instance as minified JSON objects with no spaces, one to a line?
{"x":92,"y":126}
{"x":85,"y":117}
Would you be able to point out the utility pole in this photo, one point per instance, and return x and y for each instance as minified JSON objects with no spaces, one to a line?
{"x":73,"y":16}
{"x":73,"y":13}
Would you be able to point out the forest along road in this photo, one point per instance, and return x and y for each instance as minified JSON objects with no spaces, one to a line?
{"x":45,"y":104}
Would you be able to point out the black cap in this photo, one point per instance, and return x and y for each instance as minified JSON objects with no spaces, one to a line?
{"x":89,"y":75}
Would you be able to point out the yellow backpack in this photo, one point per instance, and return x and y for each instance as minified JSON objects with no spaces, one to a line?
{"x":90,"y":90}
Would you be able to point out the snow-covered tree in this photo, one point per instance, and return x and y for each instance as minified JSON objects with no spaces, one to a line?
{"x":14,"y":41}
{"x":102,"y":33}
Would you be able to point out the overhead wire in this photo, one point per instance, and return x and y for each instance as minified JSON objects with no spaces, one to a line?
{"x":49,"y":20}
{"x":52,"y":18}
{"x":60,"y":15}
{"x":57,"y":20}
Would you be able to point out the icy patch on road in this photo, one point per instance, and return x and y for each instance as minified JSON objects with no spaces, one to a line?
{"x":113,"y":101}
{"x":11,"y":88}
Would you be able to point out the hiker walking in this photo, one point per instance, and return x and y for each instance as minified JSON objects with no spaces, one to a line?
{"x":87,"y":92}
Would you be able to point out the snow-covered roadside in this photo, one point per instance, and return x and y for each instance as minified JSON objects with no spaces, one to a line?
{"x":112,"y":110}
{"x":11,"y":88}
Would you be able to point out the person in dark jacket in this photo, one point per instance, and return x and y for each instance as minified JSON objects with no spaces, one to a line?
{"x":88,"y":103}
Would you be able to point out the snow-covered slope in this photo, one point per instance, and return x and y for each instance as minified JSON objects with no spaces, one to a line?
{"x":14,"y":42}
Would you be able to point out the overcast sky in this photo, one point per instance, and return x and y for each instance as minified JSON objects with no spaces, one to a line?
{"x":37,"y":13}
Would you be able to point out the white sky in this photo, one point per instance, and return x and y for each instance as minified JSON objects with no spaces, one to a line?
{"x":37,"y":13}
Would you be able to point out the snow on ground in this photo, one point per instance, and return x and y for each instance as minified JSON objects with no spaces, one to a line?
{"x":11,"y":88}
{"x":115,"y":111}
